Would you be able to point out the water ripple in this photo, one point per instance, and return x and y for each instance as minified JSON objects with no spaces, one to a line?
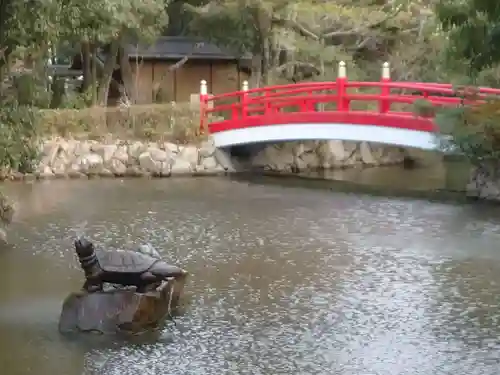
{"x":284,"y":281}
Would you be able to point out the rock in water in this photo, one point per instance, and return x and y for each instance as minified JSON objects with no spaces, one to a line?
{"x":119,"y":310}
{"x":6,"y":210}
{"x":6,"y":216}
{"x":3,"y":236}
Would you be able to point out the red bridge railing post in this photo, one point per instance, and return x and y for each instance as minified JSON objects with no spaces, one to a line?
{"x":203,"y":106}
{"x":385,"y":90}
{"x":342,"y":100}
{"x":243,"y":99}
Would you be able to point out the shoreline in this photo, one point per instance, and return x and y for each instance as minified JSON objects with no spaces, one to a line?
{"x":290,"y":180}
{"x":352,"y":187}
{"x":33,"y":178}
{"x":69,"y":158}
{"x":74,"y":159}
{"x":62,"y":158}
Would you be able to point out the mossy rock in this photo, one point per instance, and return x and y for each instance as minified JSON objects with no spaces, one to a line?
{"x":6,"y":210}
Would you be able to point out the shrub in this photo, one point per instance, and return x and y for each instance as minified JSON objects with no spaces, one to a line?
{"x":178,"y":123}
{"x":18,"y":137}
{"x":474,"y":127}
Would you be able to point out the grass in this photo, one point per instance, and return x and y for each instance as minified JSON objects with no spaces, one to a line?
{"x":177,"y":123}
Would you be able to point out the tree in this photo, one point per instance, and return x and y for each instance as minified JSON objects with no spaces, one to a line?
{"x":473,"y":28}
{"x":361,"y":33}
{"x":30,"y":31}
{"x":245,"y":26}
{"x":112,"y":24}
{"x":179,"y":17}
{"x":302,"y":40}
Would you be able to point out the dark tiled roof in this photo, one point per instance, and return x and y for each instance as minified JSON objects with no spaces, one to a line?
{"x":177,"y":47}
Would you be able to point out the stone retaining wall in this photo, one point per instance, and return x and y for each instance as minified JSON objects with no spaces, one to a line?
{"x":311,"y":155}
{"x":62,"y":158}
{"x":84,"y":158}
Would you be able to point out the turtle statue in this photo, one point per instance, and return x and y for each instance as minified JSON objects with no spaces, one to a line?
{"x":122,"y":267}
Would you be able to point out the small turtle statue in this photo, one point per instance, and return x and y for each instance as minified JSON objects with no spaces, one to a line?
{"x":147,"y":249}
{"x":123,"y":267}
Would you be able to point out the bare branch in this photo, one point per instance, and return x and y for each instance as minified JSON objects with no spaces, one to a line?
{"x":328,"y":35}
{"x":342,"y":34}
{"x":177,"y":65}
{"x":296,"y":26}
{"x":364,"y":43}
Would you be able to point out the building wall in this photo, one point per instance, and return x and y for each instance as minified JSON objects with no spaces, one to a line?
{"x":152,"y":77}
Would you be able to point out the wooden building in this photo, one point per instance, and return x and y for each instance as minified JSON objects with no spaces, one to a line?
{"x":171,"y":70}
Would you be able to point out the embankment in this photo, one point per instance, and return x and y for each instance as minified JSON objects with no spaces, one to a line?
{"x":163,"y":140}
{"x":71,"y":158}
{"x":62,"y":158}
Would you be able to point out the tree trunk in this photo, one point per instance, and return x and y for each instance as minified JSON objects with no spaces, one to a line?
{"x":266,"y":60}
{"x":255,"y":78}
{"x":107,"y":73}
{"x":264,"y":26}
{"x":58,"y":92}
{"x":95,"y":61}
{"x":127,"y":76}
{"x":320,"y":107}
{"x":86,"y":65}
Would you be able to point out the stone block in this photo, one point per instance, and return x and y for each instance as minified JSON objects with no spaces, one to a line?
{"x":117,"y":311}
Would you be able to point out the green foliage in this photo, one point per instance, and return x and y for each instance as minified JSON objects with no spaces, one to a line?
{"x":32,"y":32}
{"x":291,"y":37}
{"x":232,"y":24}
{"x":19,"y":147}
{"x":103,"y":21}
{"x":473,"y":27}
{"x":31,"y":90}
{"x":29,"y":32}
{"x":75,"y":100}
{"x":474,"y":128}
{"x":179,"y":17}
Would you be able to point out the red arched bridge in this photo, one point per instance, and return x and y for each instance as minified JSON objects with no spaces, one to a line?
{"x":329,"y":111}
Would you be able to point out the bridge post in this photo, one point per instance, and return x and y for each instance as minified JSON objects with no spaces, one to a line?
{"x":385,"y":90}
{"x":203,"y":105}
{"x":342,"y":101}
{"x":243,"y":98}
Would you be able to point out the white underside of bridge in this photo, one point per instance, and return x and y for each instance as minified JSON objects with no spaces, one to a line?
{"x":330,"y":131}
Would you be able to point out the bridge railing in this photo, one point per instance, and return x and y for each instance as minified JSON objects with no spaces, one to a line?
{"x":338,"y":95}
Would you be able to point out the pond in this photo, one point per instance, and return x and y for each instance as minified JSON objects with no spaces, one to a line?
{"x":285,"y":279}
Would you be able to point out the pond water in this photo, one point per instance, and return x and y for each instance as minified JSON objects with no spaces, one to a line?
{"x":285,"y":280}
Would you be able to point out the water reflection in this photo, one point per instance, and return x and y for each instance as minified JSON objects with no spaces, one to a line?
{"x":430,"y":173}
{"x":284,"y":281}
